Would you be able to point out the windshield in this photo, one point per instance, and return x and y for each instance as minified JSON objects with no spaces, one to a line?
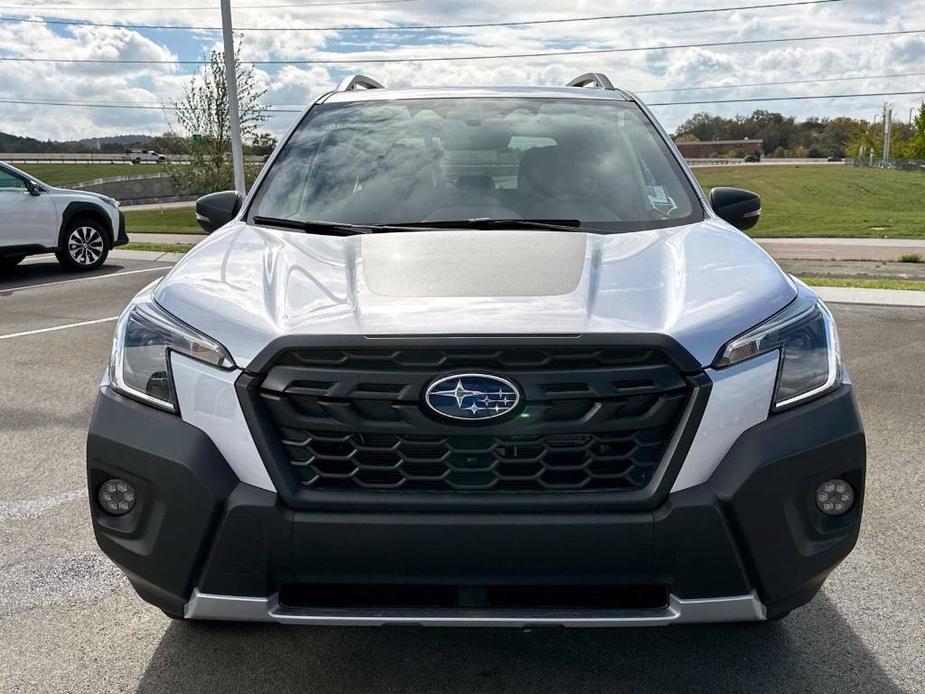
{"x":600,"y":164}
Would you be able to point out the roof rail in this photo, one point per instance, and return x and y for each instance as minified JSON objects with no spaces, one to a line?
{"x":595,"y":80}
{"x":354,"y":82}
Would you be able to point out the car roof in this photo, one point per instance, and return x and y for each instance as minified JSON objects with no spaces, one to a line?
{"x":476,"y":92}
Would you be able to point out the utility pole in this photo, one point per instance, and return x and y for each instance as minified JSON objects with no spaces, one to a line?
{"x":887,"y":124}
{"x":231,"y":86}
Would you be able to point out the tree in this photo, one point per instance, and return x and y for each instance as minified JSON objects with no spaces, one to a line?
{"x":202,"y":117}
{"x":262,"y":143}
{"x":915,"y":147}
{"x":782,"y":135}
{"x":168,"y":143}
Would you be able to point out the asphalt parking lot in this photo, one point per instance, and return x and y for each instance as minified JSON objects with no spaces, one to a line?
{"x":69,"y":622}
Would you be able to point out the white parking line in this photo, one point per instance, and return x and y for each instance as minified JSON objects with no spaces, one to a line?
{"x":83,"y":279}
{"x":59,"y":327}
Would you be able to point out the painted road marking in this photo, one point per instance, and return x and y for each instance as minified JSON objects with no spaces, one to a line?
{"x":58,"y":327}
{"x":83,"y":279}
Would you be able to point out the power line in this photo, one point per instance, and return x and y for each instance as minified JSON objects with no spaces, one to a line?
{"x":292,"y":5}
{"x":424,"y":27}
{"x":159,"y":104}
{"x":786,"y":98}
{"x":112,"y":104}
{"x":156,"y":105}
{"x":744,"y":84}
{"x":663,"y":103}
{"x":495,"y":56}
{"x":779,"y":83}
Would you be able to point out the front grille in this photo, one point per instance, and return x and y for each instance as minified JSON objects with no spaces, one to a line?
{"x":593,"y":419}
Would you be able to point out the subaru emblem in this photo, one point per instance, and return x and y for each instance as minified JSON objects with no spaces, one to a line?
{"x":472,"y":396}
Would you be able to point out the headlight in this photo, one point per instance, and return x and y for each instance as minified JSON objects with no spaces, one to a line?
{"x":145,"y":335}
{"x":805,"y":334}
{"x":109,"y":200}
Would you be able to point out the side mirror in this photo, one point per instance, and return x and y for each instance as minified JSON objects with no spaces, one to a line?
{"x":33,"y":187}
{"x":741,"y":208}
{"x":215,"y":210}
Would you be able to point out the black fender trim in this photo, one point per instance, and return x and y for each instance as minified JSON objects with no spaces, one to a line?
{"x":81,"y":208}
{"x":182,"y":483}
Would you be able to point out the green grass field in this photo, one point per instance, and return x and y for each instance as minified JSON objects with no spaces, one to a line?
{"x":172,"y":220}
{"x":829,"y":200}
{"x":865,"y":283}
{"x":157,"y":247}
{"x":796,"y":200}
{"x":69,"y":174}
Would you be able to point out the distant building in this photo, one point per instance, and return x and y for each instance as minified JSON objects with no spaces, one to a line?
{"x":717,"y":148}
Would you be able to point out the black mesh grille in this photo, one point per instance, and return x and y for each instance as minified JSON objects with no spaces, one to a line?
{"x":592,"y":419}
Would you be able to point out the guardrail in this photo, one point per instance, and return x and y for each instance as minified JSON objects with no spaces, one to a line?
{"x":85,"y":185}
{"x":738,"y":161}
{"x":96,"y":158}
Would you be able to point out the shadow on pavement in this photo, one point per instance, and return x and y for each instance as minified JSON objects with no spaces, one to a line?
{"x":49,"y":270}
{"x":813,"y":650}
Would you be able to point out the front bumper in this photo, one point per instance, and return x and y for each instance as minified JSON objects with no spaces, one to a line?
{"x":121,"y":234}
{"x":745,"y":545}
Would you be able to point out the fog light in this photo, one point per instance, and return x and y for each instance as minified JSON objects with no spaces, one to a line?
{"x":117,"y":497}
{"x":835,"y":497}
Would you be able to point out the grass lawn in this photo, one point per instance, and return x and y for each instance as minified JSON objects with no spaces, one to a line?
{"x":158,"y":247}
{"x":829,"y":200}
{"x":917,"y":285}
{"x":69,"y":174}
{"x":172,"y":220}
{"x":796,"y":200}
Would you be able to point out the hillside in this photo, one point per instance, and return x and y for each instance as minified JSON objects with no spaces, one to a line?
{"x":16,"y":144}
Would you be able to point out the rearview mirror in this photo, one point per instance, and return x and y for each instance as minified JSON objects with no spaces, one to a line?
{"x":741,"y":208}
{"x":215,"y":210}
{"x":33,"y":187}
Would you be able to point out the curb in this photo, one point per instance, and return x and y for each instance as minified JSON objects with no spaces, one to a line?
{"x":155,"y":256}
{"x":871,"y":297}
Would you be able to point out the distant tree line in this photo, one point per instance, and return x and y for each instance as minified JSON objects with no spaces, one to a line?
{"x":168,"y":143}
{"x":785,"y":136}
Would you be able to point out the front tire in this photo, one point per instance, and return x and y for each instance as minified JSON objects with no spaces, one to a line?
{"x":84,"y":245}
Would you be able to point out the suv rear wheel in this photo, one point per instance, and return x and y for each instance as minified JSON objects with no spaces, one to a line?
{"x":84,"y":246}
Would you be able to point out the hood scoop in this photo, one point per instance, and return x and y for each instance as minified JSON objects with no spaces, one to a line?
{"x":473,"y":263}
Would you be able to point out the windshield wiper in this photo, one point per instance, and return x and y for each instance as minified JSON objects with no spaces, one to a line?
{"x":315,"y":227}
{"x":489,"y":223}
{"x":347,"y":229}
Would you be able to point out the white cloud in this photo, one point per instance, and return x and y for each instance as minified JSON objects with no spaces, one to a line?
{"x":299,"y":84}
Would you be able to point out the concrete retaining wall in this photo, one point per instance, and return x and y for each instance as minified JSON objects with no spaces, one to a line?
{"x":137,"y":190}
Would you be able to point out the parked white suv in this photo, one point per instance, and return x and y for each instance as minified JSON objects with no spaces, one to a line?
{"x":79,"y":227}
{"x":477,"y":356}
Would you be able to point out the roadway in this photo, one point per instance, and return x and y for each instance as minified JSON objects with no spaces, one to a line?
{"x":69,"y":622}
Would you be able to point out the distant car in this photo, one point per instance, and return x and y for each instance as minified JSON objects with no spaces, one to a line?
{"x":753,"y":158}
{"x":140,"y":156}
{"x":834,"y":157}
{"x":79,"y":227}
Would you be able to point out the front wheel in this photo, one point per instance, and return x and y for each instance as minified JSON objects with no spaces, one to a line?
{"x":84,"y":246}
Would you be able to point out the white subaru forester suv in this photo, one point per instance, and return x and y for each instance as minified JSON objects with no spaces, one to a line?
{"x":79,"y":227}
{"x":477,"y":356}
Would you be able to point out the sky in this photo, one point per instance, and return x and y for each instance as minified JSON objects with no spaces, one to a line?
{"x":293,"y":86}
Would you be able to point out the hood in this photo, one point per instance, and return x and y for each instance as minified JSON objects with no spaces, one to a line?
{"x":76,"y":194}
{"x":701,"y":284}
